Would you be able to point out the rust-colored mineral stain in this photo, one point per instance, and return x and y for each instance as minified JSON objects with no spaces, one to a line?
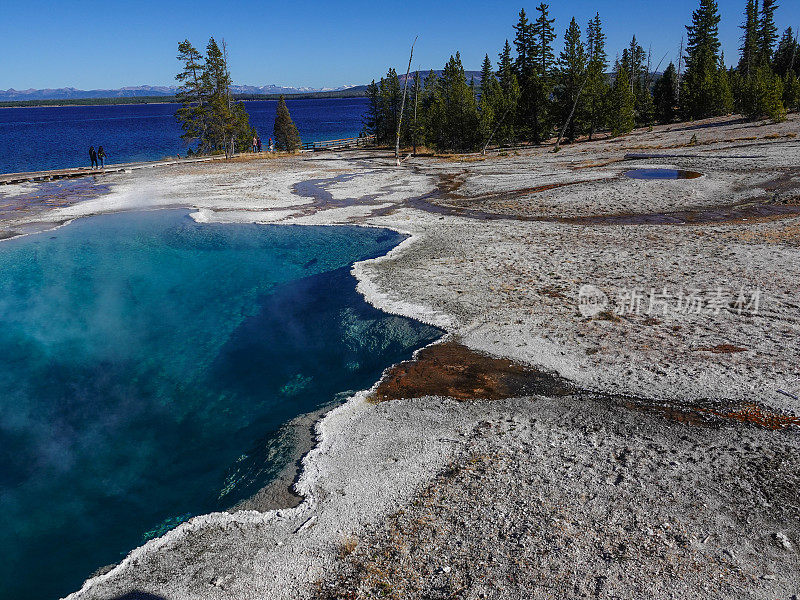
{"x":723,"y":349}
{"x":750,"y":413}
{"x":761,"y":416}
{"x":453,"y":370}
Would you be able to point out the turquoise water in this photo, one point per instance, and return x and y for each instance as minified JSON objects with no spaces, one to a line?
{"x":144,"y":358}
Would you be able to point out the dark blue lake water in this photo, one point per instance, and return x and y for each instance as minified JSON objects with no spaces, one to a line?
{"x":53,"y":137}
{"x":146,"y":361}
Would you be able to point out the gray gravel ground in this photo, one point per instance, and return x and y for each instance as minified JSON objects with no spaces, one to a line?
{"x":569,"y":499}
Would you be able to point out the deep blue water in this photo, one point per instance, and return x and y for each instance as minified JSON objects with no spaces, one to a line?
{"x":54,"y":137}
{"x":146,"y":361}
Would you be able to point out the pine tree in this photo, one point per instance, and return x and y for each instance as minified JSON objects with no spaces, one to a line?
{"x":787,"y":56}
{"x":487,"y":73}
{"x":597,"y":89}
{"x":723,"y":92}
{"x":192,"y":94}
{"x":572,"y":78}
{"x":286,"y":135}
{"x":372,"y":118}
{"x":524,"y":71}
{"x":791,"y":91}
{"x":640,"y":83}
{"x":454,"y":121}
{"x":698,"y":97}
{"x":767,"y":31}
{"x":490,"y":106}
{"x":544,"y":35}
{"x":622,"y":103}
{"x":427,"y":101}
{"x":539,"y":86}
{"x":391,"y":98}
{"x":762,"y":95}
{"x":750,"y":50}
{"x":217,"y":81}
{"x":509,"y":86}
{"x":523,"y":41}
{"x":208,"y":113}
{"x":415,"y":123}
{"x":665,"y":95}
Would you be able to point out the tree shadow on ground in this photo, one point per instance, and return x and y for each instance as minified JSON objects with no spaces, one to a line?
{"x":740,"y":121}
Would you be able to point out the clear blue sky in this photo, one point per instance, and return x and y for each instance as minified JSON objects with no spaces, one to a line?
{"x":109,"y":44}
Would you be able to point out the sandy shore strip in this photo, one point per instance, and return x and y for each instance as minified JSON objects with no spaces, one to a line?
{"x":668,"y":460}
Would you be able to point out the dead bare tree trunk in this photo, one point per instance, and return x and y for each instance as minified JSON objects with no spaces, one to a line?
{"x":496,"y":127}
{"x":571,"y":114}
{"x":403,"y":105}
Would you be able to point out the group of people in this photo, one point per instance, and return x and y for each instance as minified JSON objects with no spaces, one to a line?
{"x":257,"y":144}
{"x":98,"y":157}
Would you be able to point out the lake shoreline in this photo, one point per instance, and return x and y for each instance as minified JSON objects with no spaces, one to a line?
{"x":679,"y":501}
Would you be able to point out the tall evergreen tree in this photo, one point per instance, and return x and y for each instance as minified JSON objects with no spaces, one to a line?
{"x":391,"y":98}
{"x":723,"y":92}
{"x":767,"y":30}
{"x":490,"y":106}
{"x":505,"y":67}
{"x":622,"y":103}
{"x":372,"y":118}
{"x":698,"y":98}
{"x":509,"y":85}
{"x":524,"y":70}
{"x":596,"y":85}
{"x":217,"y":81}
{"x":787,"y":56}
{"x":544,"y":35}
{"x":640,"y":83}
{"x":487,"y":73}
{"x":665,"y":95}
{"x":539,"y":86}
{"x":287,"y":137}
{"x":208,"y":113}
{"x":192,"y":94}
{"x":572,"y":79}
{"x":791,"y":91}
{"x":524,"y":43}
{"x":454,"y":122}
{"x":750,"y":50}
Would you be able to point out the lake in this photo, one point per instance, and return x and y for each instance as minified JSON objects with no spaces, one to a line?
{"x":147,"y":364}
{"x":55,"y":137}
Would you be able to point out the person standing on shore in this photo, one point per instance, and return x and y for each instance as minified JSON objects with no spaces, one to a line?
{"x":101,"y":155}
{"x":255,"y":144}
{"x":258,"y":140}
{"x":93,"y":156}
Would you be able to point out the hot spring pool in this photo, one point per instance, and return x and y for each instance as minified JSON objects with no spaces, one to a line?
{"x":145,"y":357}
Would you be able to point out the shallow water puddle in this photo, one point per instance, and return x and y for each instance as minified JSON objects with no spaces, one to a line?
{"x":661,"y":174}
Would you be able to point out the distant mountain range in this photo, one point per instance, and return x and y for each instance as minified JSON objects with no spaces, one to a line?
{"x":12,"y":95}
